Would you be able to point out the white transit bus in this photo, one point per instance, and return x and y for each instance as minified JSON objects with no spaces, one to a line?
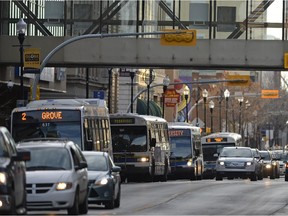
{"x":212,"y":144}
{"x":84,"y":121}
{"x":140,"y":146}
{"x":186,"y":158}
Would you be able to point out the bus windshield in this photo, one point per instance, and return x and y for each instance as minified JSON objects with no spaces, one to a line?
{"x":181,"y":146}
{"x":129,"y":139}
{"x":211,"y":151}
{"x":69,"y":130}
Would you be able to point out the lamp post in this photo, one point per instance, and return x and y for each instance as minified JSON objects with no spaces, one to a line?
{"x":186,"y":94}
{"x":166,"y":82}
{"x":220,"y":110}
{"x":21,"y":29}
{"x":240,"y":100}
{"x":132,"y":75}
{"x":149,"y":78}
{"x":226,"y":95}
{"x":205,"y":95}
{"x":211,"y":106}
{"x":197,"y":99}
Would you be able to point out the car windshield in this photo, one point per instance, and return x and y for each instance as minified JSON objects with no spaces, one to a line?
{"x":96,"y":162}
{"x":236,"y":152}
{"x":49,"y":159}
{"x":265,"y":155}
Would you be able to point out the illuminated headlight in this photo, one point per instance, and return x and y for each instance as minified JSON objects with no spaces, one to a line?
{"x":249,"y":163}
{"x":268,"y":166}
{"x":189,"y":163}
{"x":143,"y":159}
{"x":103,"y":181}
{"x":63,"y":186}
{"x":222,"y":163}
{"x":3,"y":178}
{"x":274,"y":163}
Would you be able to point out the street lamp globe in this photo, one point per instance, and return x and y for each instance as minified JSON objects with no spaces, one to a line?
{"x":211,"y":104}
{"x":226,"y":94}
{"x":166,"y":82}
{"x":205,"y":94}
{"x":240,"y":100}
{"x":149,"y":76}
{"x":21,"y":26}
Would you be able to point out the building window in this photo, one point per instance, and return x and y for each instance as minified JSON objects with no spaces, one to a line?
{"x":226,"y":17}
{"x":199,"y":15}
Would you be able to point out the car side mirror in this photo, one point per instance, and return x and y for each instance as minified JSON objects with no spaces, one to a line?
{"x":23,"y":156}
{"x":82,"y":165}
{"x":116,"y":169}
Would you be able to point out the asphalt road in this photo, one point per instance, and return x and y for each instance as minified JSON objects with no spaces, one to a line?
{"x":206,"y":197}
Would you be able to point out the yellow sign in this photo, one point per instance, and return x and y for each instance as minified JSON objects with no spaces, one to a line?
{"x":238,"y":80}
{"x":286,"y":60}
{"x":32,"y":58}
{"x":269,"y":93}
{"x":182,"y":38}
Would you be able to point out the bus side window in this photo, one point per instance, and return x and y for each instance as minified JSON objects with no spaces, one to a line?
{"x":88,"y":134}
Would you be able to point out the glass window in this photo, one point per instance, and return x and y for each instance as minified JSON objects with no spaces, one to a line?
{"x":96,"y":162}
{"x":199,"y":15}
{"x":49,"y":159}
{"x":226,"y":16}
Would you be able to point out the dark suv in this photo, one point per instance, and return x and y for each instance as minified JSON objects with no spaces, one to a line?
{"x":12,"y":175}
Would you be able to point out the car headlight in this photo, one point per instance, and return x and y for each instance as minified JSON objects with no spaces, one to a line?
{"x":103,"y":181}
{"x":189,"y":162}
{"x":274,"y":163}
{"x":249,"y":163}
{"x":268,"y":166}
{"x":221,"y":163}
{"x":3,"y":178}
{"x":63,"y":186}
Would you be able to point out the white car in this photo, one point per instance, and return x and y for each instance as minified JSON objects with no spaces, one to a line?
{"x":238,"y":162}
{"x":57,"y":176}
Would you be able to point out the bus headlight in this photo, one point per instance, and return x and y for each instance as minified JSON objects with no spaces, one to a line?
{"x":143,"y":159}
{"x":3,"y":178}
{"x":189,"y":162}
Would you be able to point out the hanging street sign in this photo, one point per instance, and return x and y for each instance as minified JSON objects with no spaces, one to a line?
{"x":269,"y":93}
{"x":171,"y":97}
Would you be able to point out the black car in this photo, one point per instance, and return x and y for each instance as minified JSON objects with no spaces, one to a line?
{"x":104,"y":179}
{"x":12,"y":175}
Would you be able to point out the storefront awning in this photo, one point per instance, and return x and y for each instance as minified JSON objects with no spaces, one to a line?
{"x":154,"y":108}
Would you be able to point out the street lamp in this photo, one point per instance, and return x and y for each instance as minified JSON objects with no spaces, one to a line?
{"x":226,"y":95}
{"x":211,"y":106}
{"x":186,"y":94}
{"x":21,"y":29}
{"x":220,"y":110}
{"x":149,"y":78}
{"x":166,"y":82}
{"x":132,"y":75}
{"x":240,"y":100}
{"x":205,"y":95}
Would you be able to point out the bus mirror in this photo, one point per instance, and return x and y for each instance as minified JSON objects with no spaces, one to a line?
{"x":153,"y":142}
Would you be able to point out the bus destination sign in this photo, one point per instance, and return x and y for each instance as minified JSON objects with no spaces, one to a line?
{"x":216,"y":139}
{"x":122,"y":121}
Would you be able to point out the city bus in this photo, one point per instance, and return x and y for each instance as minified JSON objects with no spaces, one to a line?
{"x":140,"y":146}
{"x":212,"y":144}
{"x":186,"y":158}
{"x":84,"y":121}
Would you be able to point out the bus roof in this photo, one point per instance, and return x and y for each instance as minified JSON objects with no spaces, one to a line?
{"x":183,"y":125}
{"x":147,"y":118}
{"x":234,"y":136}
{"x":91,"y":105}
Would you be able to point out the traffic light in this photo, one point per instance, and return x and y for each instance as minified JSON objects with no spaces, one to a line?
{"x":178,"y":38}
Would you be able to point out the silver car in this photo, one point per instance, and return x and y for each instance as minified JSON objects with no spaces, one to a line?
{"x":104,"y":180}
{"x":235,"y":162}
{"x":57,"y":176}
